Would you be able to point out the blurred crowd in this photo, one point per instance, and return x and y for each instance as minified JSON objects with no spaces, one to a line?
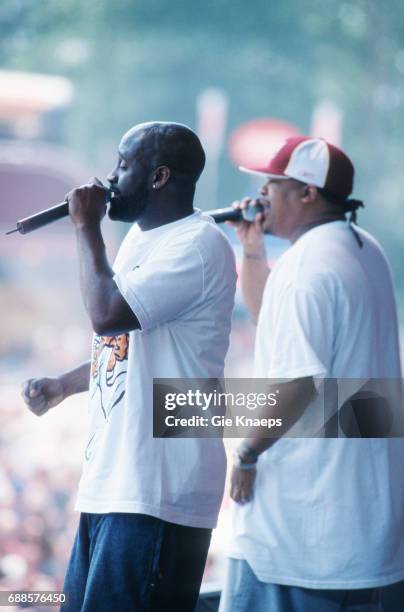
{"x":39,"y":469}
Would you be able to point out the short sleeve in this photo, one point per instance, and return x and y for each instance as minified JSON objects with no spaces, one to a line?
{"x":165,"y":287}
{"x":303,"y":332}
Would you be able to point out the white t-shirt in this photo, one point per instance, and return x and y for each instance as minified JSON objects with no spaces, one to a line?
{"x":179,"y":279}
{"x":327,"y":513}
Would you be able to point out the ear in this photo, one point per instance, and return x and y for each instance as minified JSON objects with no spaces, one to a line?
{"x":308,"y":193}
{"x":160,"y":177}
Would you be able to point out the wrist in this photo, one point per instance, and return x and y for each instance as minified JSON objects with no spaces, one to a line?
{"x":88,"y":226}
{"x":245,"y":457}
{"x":64,"y":383}
{"x":256,"y":254}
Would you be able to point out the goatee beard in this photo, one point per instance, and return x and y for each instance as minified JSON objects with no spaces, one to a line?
{"x":127,"y":208}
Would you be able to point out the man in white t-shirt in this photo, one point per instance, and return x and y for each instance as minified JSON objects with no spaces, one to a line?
{"x":317,"y":522}
{"x":147,"y":505}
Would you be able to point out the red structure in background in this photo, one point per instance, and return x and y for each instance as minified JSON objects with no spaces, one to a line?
{"x":34,"y":176}
{"x":252,"y":144}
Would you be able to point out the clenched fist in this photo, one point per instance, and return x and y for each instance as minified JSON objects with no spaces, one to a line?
{"x":41,"y":394}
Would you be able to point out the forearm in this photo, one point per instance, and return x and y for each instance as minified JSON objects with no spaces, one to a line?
{"x":76,"y":380}
{"x":254,"y":275}
{"x":96,"y":276}
{"x":292,"y":400}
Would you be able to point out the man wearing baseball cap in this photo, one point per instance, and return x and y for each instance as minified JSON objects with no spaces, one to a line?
{"x":317,"y":522}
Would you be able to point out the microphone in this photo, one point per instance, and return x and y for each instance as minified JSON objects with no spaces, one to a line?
{"x":59,"y":211}
{"x":220,"y":215}
{"x":29,"y":224}
{"x":44,"y":217}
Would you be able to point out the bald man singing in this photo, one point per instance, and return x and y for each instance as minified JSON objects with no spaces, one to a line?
{"x":163,"y":310}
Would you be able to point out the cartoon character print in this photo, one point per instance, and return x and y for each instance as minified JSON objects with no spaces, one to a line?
{"x":107,"y":382}
{"x":119,"y":352}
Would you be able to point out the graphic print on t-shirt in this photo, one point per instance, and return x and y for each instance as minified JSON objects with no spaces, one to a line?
{"x":108,"y":376}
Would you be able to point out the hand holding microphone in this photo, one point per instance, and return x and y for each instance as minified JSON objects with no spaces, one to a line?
{"x":87,"y":204}
{"x":249,"y":230}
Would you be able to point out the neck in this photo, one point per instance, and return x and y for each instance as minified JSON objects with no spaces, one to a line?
{"x":305,"y":227}
{"x":162,"y":211}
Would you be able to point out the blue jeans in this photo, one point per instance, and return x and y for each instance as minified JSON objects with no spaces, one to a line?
{"x":134,"y":563}
{"x":243,"y":592}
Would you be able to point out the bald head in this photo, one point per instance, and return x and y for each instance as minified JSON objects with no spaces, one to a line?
{"x":154,"y":178}
{"x":166,"y":144}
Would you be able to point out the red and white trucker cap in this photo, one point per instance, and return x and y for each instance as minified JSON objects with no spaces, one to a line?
{"x":313,"y":161}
